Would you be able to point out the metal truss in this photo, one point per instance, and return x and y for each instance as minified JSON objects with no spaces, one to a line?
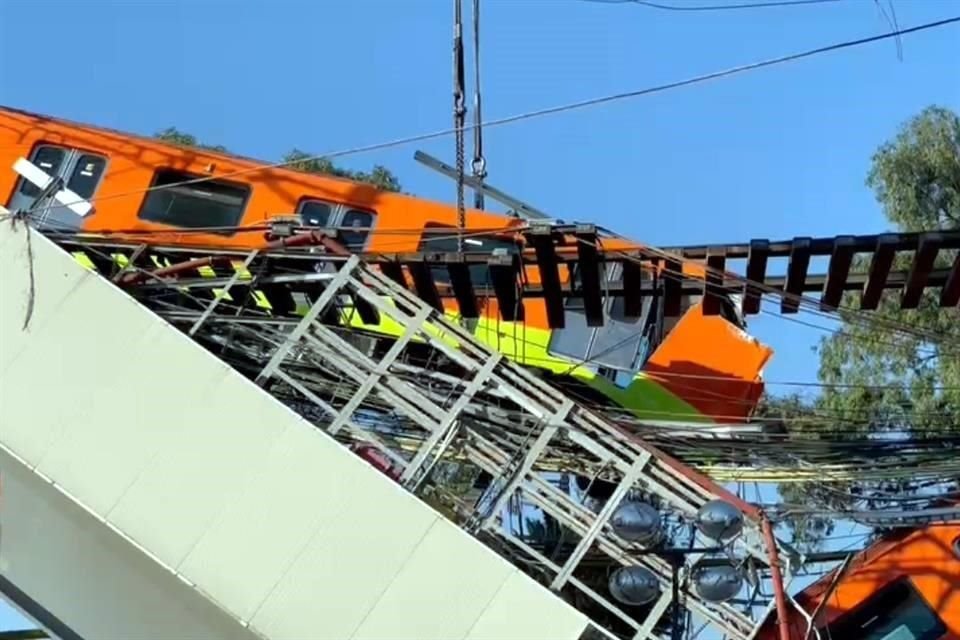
{"x":436,"y":393}
{"x":444,"y":391}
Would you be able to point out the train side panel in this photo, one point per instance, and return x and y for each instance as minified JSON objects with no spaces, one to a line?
{"x":912,"y":583}
{"x":399,"y":224}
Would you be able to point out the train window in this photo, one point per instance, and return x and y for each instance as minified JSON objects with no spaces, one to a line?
{"x":79,"y":171}
{"x":619,"y":341}
{"x":355,"y":227}
{"x":86,"y":175}
{"x":48,"y":158}
{"x":441,"y":238}
{"x":212,"y":204}
{"x":316,"y":213}
{"x":620,"y":345}
{"x":896,"y":612}
{"x":354,"y":224}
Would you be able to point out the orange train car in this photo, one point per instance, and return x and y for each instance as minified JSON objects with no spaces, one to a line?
{"x":698,"y":369}
{"x":904,"y":587}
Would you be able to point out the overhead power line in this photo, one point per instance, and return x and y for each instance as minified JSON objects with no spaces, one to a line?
{"x":616,"y":97}
{"x":713,"y":7}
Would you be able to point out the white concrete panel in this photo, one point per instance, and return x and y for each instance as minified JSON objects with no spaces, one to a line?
{"x":303,"y":479}
{"x":273,"y":520}
{"x":449,"y":575}
{"x":65,"y":359}
{"x":524,"y":609}
{"x":89,"y":577}
{"x":55,"y":276}
{"x":139,"y":408}
{"x":350,"y":562}
{"x":200,"y":468}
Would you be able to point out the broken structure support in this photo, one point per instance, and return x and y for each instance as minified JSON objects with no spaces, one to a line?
{"x":779,"y":594}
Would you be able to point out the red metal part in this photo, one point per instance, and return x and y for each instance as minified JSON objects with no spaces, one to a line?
{"x":779,"y":595}
{"x":307,"y":239}
{"x":299,"y":240}
{"x":188,"y":265}
{"x":377,"y":460}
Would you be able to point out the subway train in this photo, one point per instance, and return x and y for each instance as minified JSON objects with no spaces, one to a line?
{"x":905,"y":586}
{"x":692,"y":368}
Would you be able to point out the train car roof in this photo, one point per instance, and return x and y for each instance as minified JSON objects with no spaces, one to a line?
{"x":373,"y":192}
{"x":235,"y":157}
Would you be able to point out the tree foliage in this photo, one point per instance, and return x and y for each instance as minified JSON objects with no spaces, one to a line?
{"x":894,"y":369}
{"x":296,"y":159}
{"x":379,"y":176}
{"x":175,"y":136}
{"x":888,"y":370}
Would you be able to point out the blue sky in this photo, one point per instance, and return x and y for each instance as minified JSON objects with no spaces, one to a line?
{"x":774,"y":153}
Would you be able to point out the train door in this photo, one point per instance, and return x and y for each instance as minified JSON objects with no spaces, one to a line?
{"x":79,"y":171}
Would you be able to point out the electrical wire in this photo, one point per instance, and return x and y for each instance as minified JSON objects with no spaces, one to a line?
{"x":808,"y":304}
{"x":729,"y":398}
{"x":922,"y":464}
{"x":736,"y":399}
{"x":897,"y":469}
{"x":714,"y":396}
{"x":612,"y":413}
{"x":548,"y":111}
{"x":714,"y":7}
{"x":892,"y":23}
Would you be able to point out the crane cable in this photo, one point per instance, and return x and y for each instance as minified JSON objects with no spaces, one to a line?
{"x":459,"y":115}
{"x":479,"y":162}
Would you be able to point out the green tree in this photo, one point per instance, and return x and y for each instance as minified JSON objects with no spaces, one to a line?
{"x":877,"y":378}
{"x":296,"y":159}
{"x":175,"y":136}
{"x":896,"y":380}
{"x":379,"y":176}
{"x":797,"y":414}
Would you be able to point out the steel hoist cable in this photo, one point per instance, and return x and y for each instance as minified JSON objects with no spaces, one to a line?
{"x":479,"y":162}
{"x":459,"y":115}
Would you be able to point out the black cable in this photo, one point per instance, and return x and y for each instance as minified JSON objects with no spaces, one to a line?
{"x":713,"y":7}
{"x":546,"y":111}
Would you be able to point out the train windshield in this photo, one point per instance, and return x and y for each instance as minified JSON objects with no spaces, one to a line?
{"x":897,"y":612}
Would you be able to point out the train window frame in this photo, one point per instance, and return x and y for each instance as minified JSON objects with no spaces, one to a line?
{"x":338,"y":213}
{"x":226,"y":230}
{"x":53,"y":214}
{"x":440,"y":273}
{"x":885,"y":600}
{"x":80,"y":155}
{"x":67,"y":168}
{"x":23,"y":184}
